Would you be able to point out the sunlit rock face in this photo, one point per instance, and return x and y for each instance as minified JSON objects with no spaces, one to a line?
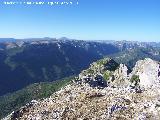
{"x":148,"y":72}
{"x":120,"y":77}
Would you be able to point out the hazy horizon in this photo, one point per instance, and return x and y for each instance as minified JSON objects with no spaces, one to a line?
{"x":73,"y":39}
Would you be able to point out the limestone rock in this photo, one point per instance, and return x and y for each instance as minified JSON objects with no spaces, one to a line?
{"x":148,"y":71}
{"x":120,"y":77}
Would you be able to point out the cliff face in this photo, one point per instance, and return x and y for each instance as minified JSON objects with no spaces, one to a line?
{"x":104,"y":91}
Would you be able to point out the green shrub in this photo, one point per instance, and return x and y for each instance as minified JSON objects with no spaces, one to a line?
{"x":102,"y":61}
{"x":135,"y":78}
{"x":90,"y":71}
{"x":106,"y":75}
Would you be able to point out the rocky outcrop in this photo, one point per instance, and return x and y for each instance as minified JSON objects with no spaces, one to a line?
{"x":148,"y":71}
{"x":120,"y":77}
{"x":102,"y":92}
{"x":98,"y":74}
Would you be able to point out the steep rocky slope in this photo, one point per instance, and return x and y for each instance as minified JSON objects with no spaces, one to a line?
{"x":105,"y":90}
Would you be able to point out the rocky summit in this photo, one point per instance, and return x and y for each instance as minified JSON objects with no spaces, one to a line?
{"x":104,"y":91}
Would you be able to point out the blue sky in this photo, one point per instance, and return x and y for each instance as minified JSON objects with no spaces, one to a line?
{"x":90,"y":19}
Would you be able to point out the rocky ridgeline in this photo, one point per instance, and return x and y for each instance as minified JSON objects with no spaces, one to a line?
{"x":104,"y":91}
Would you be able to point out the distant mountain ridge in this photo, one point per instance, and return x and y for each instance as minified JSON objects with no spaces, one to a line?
{"x":26,"y":62}
{"x":33,"y":60}
{"x":7,"y":40}
{"x":122,"y":43}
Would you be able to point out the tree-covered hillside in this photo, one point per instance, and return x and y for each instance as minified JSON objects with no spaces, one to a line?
{"x":130,"y":57}
{"x":33,"y":62}
{"x":14,"y":101}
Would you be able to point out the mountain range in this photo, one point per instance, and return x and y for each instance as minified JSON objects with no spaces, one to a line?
{"x":27,"y":61}
{"x":46,"y":63}
{"x":24,"y":63}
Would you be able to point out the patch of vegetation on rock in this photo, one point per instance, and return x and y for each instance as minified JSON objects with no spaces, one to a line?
{"x":103,"y":61}
{"x":135,"y":79}
{"x":106,"y":75}
{"x":90,"y":71}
